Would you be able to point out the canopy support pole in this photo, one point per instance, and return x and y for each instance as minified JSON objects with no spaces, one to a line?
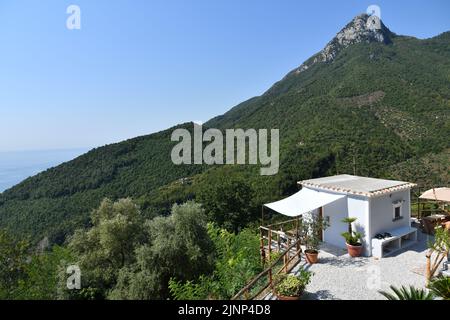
{"x":262,"y":215}
{"x":418,"y":205}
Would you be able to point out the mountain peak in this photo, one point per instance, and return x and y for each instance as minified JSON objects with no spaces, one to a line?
{"x":362,"y":28}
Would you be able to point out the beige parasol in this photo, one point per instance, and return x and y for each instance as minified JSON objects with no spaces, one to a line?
{"x":438,"y":194}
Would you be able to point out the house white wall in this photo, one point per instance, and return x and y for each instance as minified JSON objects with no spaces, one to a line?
{"x":335,"y":212}
{"x":358,"y":207}
{"x":382,"y":214}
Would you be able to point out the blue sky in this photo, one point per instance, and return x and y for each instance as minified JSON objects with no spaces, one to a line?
{"x":137,"y":67}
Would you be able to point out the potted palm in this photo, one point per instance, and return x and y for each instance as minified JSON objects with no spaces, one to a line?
{"x":292,"y":287}
{"x":352,"y":239}
{"x":311,"y":230}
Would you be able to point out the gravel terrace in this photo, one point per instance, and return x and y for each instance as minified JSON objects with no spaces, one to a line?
{"x":337,"y":276}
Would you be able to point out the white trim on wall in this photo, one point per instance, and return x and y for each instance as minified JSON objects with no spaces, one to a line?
{"x":397,"y":205}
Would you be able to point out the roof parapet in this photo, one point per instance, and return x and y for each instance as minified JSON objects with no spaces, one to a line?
{"x":371,"y":194}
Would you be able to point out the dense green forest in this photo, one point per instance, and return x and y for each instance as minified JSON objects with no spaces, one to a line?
{"x":379,"y":109}
{"x":125,"y":256}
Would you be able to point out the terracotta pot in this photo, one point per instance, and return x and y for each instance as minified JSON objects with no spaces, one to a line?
{"x":287,"y":298}
{"x":354,"y":251}
{"x":312,"y":256}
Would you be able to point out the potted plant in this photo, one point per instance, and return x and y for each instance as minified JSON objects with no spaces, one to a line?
{"x":352,"y":239}
{"x":292,"y":287}
{"x":311,"y":230}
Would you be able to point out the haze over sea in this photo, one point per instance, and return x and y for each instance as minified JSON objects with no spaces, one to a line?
{"x":16,"y":166}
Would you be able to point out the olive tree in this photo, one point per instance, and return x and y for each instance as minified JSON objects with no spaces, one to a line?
{"x":103,"y":250}
{"x":179,"y":246}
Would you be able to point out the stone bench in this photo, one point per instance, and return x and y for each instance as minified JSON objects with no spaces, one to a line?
{"x":400,"y":238}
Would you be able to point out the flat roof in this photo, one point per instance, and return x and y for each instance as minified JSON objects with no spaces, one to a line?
{"x":364,"y":186}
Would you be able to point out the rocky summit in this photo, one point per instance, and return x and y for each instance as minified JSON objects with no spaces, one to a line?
{"x":363,"y":28}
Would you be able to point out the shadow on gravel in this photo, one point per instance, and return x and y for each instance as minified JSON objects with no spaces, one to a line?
{"x":345,"y":262}
{"x":319,"y":295}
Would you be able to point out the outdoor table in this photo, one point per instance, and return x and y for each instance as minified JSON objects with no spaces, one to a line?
{"x":430,"y":222}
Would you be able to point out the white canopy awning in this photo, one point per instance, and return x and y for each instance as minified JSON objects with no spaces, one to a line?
{"x":304,"y":201}
{"x":439,"y":194}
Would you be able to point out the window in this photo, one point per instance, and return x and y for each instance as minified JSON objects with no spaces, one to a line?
{"x":397,"y":210}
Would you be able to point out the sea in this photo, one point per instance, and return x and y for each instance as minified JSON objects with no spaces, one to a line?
{"x":16,"y":166}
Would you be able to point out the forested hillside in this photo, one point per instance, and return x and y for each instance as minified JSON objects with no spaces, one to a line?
{"x":55,"y":202}
{"x":379,"y":108}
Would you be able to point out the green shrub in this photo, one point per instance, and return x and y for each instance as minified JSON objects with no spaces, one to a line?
{"x":410,"y":293}
{"x":440,"y":287}
{"x":237,"y":262}
{"x":294,"y":285}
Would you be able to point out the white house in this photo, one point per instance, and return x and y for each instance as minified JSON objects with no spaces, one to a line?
{"x":380,"y":206}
